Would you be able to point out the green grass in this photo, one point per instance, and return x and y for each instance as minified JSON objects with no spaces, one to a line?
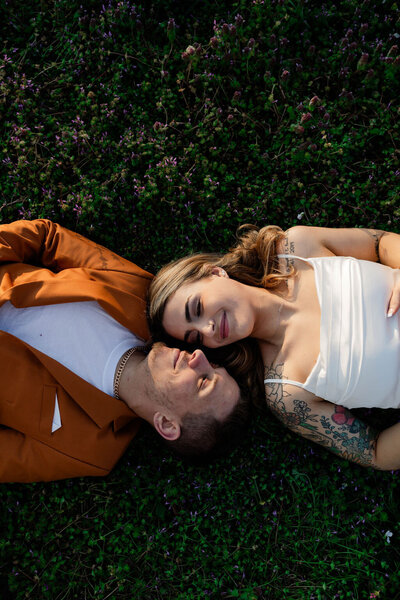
{"x":113,"y":126}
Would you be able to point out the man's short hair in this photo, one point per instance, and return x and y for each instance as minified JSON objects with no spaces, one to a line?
{"x":203,"y":438}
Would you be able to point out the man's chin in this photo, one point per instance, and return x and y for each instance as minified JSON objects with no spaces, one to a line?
{"x":157,"y":348}
{"x":158,"y":345}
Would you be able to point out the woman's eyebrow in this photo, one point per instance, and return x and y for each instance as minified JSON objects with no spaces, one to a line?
{"x":187,"y":312}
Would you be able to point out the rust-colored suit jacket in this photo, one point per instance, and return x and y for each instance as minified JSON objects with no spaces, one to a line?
{"x":44,"y":263}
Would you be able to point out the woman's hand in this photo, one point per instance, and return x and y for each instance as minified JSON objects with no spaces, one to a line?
{"x":394,"y":302}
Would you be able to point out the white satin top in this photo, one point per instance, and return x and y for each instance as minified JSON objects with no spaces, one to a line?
{"x":359,"y":359}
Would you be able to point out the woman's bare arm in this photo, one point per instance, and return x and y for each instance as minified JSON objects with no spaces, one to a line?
{"x":332,"y":426}
{"x":366,"y":244}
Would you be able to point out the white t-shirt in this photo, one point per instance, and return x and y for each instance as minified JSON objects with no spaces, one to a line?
{"x":80,"y":335}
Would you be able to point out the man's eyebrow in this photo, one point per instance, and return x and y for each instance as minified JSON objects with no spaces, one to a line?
{"x":187,"y":313}
{"x":212,"y":386}
{"x":213,"y":383}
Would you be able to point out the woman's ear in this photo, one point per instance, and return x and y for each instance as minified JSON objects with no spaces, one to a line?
{"x":219,"y":271}
{"x":168,"y":429}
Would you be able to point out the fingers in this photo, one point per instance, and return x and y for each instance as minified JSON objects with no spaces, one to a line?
{"x":394,"y":302}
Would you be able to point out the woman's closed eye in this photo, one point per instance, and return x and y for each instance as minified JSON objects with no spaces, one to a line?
{"x":194,"y":337}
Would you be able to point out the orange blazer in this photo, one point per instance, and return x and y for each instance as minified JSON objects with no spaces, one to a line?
{"x":44,"y":263}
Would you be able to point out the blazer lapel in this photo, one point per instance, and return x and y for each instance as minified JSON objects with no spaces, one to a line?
{"x":100,"y":407}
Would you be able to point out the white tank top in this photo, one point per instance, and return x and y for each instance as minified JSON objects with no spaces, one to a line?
{"x":359,"y":359}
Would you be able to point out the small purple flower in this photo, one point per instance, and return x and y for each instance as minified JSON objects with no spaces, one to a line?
{"x":305,"y":117}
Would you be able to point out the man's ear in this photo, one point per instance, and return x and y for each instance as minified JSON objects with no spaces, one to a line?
{"x":167,"y":428}
{"x":219,"y":271}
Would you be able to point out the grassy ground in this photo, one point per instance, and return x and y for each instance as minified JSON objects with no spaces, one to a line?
{"x":155,"y":129}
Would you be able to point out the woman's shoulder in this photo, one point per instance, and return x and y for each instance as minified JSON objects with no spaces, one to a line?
{"x":288,"y":370}
{"x":297,"y":241}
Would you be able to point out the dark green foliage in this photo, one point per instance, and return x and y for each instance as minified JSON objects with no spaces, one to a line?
{"x":186,"y":129}
{"x":157,"y":128}
{"x":280,"y":519}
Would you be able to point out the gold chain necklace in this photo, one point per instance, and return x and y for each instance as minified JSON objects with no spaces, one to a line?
{"x":121,"y":367}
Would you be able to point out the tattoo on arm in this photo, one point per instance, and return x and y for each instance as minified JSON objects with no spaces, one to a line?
{"x":339,"y":431}
{"x":288,"y":249}
{"x":376,"y":235}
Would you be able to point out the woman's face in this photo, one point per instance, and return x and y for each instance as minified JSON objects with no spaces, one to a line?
{"x":214,"y":311}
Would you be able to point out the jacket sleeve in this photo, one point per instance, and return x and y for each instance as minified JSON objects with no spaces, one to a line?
{"x":44,"y":243}
{"x":24,"y":459}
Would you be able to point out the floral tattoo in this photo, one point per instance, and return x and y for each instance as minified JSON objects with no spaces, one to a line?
{"x":340,"y":431}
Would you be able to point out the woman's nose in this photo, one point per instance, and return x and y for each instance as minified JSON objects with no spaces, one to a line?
{"x":207,"y":328}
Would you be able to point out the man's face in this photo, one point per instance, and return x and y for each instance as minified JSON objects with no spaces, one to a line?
{"x":187,"y":382}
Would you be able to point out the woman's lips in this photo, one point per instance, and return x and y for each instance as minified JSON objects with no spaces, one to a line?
{"x":224,"y":327}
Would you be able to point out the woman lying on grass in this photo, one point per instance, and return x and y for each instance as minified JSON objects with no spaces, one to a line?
{"x":322,"y":305}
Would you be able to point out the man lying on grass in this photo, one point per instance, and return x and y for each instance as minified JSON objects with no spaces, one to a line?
{"x":75,"y":376}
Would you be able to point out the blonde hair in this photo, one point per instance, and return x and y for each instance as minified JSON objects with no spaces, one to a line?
{"x":252,"y":261}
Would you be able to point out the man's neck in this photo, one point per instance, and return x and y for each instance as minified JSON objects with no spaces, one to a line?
{"x":132,"y":384}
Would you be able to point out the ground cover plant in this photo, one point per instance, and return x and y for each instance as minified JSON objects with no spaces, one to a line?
{"x":156,"y":129}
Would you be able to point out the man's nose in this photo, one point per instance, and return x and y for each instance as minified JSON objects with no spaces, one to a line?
{"x":198,"y":360}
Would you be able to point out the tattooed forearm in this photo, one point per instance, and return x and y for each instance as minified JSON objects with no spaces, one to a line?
{"x":331,"y":426}
{"x":356,"y":439}
{"x":376,"y":235}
